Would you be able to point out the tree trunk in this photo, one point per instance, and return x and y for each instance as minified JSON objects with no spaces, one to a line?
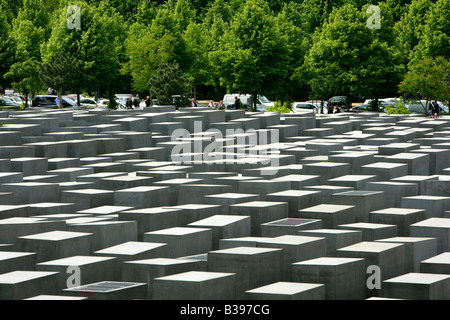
{"x":78,"y":99}
{"x":97,"y":93}
{"x":26,"y":100}
{"x":254,"y":97}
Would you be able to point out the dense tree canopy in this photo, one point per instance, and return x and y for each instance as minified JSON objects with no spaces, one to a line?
{"x":298,"y":49}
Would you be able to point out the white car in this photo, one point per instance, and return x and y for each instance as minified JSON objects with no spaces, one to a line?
{"x":418,"y":107}
{"x":262,"y":102}
{"x":297,"y":107}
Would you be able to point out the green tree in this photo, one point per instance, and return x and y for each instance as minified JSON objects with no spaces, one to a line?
{"x":347,"y":58}
{"x":427,"y":78}
{"x":435,"y":39}
{"x":146,"y":51}
{"x":410,"y":28}
{"x":196,"y":39}
{"x":168,"y":81}
{"x":7,"y":47}
{"x":30,"y":29}
{"x":98,"y":47}
{"x":60,"y":71}
{"x":252,"y":53}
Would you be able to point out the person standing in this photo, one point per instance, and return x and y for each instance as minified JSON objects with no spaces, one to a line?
{"x":130,"y":103}
{"x":148,"y":102}
{"x":237,"y":103}
{"x":220,"y":106}
{"x":193,"y":104}
{"x":211,"y":104}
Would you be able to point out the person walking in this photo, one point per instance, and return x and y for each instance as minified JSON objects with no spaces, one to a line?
{"x":434,"y":108}
{"x":136,"y":102}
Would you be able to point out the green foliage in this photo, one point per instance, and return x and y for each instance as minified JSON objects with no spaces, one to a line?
{"x":281,"y":107}
{"x":398,"y":108}
{"x":7,"y":47}
{"x":170,"y":80}
{"x":252,"y":52}
{"x":427,"y":78}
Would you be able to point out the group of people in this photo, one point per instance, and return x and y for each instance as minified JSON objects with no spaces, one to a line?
{"x":211,"y":104}
{"x":134,"y":103}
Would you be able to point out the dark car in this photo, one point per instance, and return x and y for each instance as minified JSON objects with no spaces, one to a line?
{"x":340,"y":101}
{"x":47,"y":101}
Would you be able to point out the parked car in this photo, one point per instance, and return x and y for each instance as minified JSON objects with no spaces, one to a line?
{"x":418,"y":107}
{"x":340,"y":101}
{"x":7,"y":101}
{"x":304,"y":106}
{"x":262,"y":102}
{"x":49,"y":101}
{"x":89,"y":103}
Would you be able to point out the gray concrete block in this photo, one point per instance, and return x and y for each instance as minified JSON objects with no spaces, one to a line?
{"x":288,"y":226}
{"x":12,"y":261}
{"x":195,"y":285}
{"x":224,"y":226}
{"x":109,"y":290}
{"x":287,"y":291}
{"x":260,"y":212}
{"x":87,"y":198}
{"x":416,"y":250}
{"x":182,"y":241}
{"x":254,"y":267}
{"x":142,"y":197}
{"x":401,"y":217}
{"x":438,"y":228}
{"x":56,"y":244}
{"x":18,"y":285}
{"x":344,"y":278}
{"x":418,"y":286}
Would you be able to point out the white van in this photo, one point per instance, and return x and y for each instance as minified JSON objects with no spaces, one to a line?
{"x":261,"y":104}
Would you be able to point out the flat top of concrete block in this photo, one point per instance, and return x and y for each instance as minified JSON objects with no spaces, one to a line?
{"x":291,"y":240}
{"x":406,"y":239}
{"x":106,"y":286}
{"x":50,"y":204}
{"x":371,"y":247}
{"x":195,"y":276}
{"x":328,"y":261}
{"x":131,"y":248}
{"x":5,"y":255}
{"x":285,"y":288}
{"x":105,"y":210}
{"x":419,"y":278}
{"x":398,"y":211}
{"x":88,"y":191}
{"x":427,"y":198}
{"x":23,"y":276}
{"x":415,"y":178}
{"x":21,"y":220}
{"x":104,"y":175}
{"x":178,"y":181}
{"x":328,"y":208}
{"x":328,"y":231}
{"x":218,"y":221}
{"x":296,"y":177}
{"x":30,"y":184}
{"x":46,"y":297}
{"x":102,"y":164}
{"x":294,"y":193}
{"x":406,"y":155}
{"x":337,"y":189}
{"x":56,"y":235}
{"x":291,"y":222}
{"x":141,"y":189}
{"x":85,"y":220}
{"x":153,"y":210}
{"x":76,"y":261}
{"x":259,"y":204}
{"x":246,"y":250}
{"x":230,"y":195}
{"x":162,"y":261}
{"x":195,"y":206}
{"x":25,"y":159}
{"x":353,"y":177}
{"x":433,"y":223}
{"x":366,"y":225}
{"x":358,"y":193}
{"x":178,"y":231}
{"x":326,"y":164}
{"x":443,"y":258}
{"x":385,"y":165}
{"x":400,"y":145}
